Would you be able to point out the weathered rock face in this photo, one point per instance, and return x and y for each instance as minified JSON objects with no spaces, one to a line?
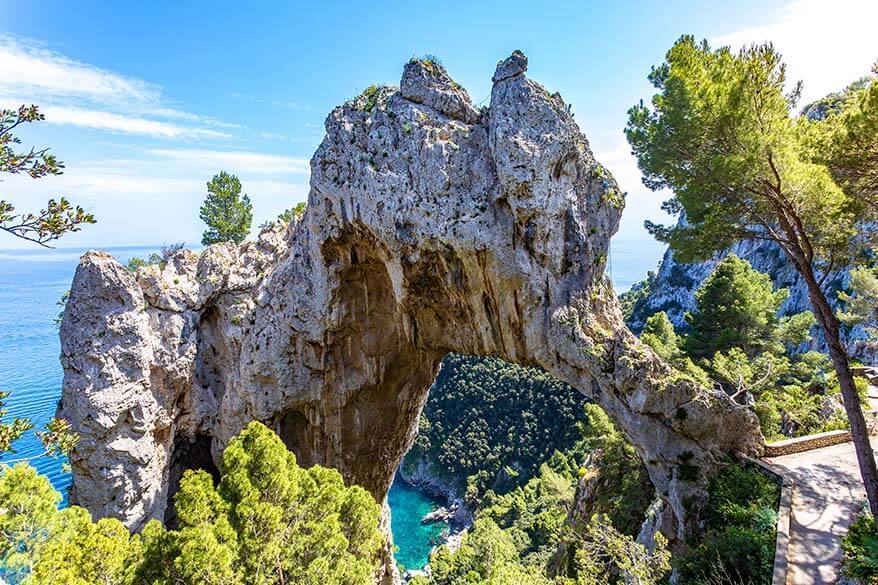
{"x":673,"y":290}
{"x":431,"y":227}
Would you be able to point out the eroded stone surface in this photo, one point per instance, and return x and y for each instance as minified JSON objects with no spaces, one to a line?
{"x":430,"y":228}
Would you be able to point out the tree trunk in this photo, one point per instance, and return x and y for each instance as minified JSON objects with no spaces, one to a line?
{"x":860,"y":434}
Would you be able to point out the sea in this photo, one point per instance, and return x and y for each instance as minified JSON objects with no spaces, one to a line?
{"x":32,"y":283}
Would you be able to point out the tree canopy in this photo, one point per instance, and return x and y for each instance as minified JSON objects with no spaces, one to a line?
{"x":736,"y":306}
{"x":847,"y":141}
{"x":494,"y":423}
{"x":227,"y":213}
{"x":268,"y":522}
{"x":720,"y":133}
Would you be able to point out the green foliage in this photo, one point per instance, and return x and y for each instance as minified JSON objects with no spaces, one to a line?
{"x":603,"y":553}
{"x":720,"y":134}
{"x":860,"y":550}
{"x":533,"y":515}
{"x":736,"y":308}
{"x":740,"y":518}
{"x":268,"y":522}
{"x":741,"y":346}
{"x":517,"y":535}
{"x":846,"y":140}
{"x":487,"y":555}
{"x":288,"y":216}
{"x":29,"y":507}
{"x":367,"y":100}
{"x":494,"y":422}
{"x":135,"y":263}
{"x":625,"y":491}
{"x":82,"y":552}
{"x":226,"y":212}
{"x":155,"y":258}
{"x":58,"y":217}
{"x":58,"y":438}
{"x":861,"y":306}
{"x":294,"y":213}
{"x":660,"y":335}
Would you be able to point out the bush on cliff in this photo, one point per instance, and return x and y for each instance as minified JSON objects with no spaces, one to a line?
{"x":268,"y":522}
{"x":738,"y":342}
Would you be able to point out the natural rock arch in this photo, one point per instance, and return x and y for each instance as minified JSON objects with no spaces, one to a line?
{"x":431,"y":227}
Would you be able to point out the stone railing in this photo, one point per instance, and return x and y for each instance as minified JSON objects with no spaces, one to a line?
{"x":784,"y":514}
{"x":806,"y":443}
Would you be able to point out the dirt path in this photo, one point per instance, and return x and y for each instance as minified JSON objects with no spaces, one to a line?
{"x":828,"y":494}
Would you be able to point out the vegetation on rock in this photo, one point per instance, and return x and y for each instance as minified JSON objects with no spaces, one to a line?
{"x":737,"y":342}
{"x":532,"y":535}
{"x":738,"y":543}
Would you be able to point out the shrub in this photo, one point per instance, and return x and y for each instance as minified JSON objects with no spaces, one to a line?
{"x":740,"y":519}
{"x":860,"y":550}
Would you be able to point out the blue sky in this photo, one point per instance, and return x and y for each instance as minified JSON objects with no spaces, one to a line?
{"x":146,"y":101}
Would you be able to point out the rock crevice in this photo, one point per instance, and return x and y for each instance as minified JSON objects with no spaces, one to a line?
{"x":431,"y":227}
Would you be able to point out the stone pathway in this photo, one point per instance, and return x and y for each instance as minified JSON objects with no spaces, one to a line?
{"x":827,"y":496}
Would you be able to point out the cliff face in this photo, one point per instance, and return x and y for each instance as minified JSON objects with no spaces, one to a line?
{"x":673,"y":290}
{"x":431,"y":227}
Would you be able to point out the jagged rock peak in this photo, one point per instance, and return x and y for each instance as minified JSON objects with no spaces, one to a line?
{"x":515,"y":64}
{"x":425,"y":81}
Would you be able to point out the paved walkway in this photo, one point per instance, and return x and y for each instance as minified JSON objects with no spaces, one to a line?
{"x":827,"y":496}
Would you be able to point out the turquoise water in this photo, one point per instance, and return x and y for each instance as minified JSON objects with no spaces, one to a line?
{"x":413,"y":540}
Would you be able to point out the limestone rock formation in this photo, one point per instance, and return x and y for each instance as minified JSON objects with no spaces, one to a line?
{"x":432,"y":226}
{"x":673,"y":287}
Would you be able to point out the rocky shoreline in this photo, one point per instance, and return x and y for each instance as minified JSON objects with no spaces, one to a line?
{"x":455,"y":513}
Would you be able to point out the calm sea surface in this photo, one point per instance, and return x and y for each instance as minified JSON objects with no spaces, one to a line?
{"x":33,"y":281}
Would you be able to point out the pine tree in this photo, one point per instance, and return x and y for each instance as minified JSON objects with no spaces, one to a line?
{"x":721,"y":136}
{"x":736,"y":307}
{"x":226,"y":212}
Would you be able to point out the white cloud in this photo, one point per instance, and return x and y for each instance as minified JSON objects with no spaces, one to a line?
{"x":74,"y":93}
{"x":826,"y":46}
{"x":111,"y":122}
{"x":33,"y":69}
{"x":236,"y":161}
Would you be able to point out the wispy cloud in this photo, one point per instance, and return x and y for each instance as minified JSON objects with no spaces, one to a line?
{"x":235,"y":161}
{"x":288,"y":105}
{"x":826,"y":47}
{"x":111,"y":122}
{"x":79,"y":94}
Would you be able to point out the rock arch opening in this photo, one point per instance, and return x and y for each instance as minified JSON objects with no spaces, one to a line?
{"x":432,"y":227}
